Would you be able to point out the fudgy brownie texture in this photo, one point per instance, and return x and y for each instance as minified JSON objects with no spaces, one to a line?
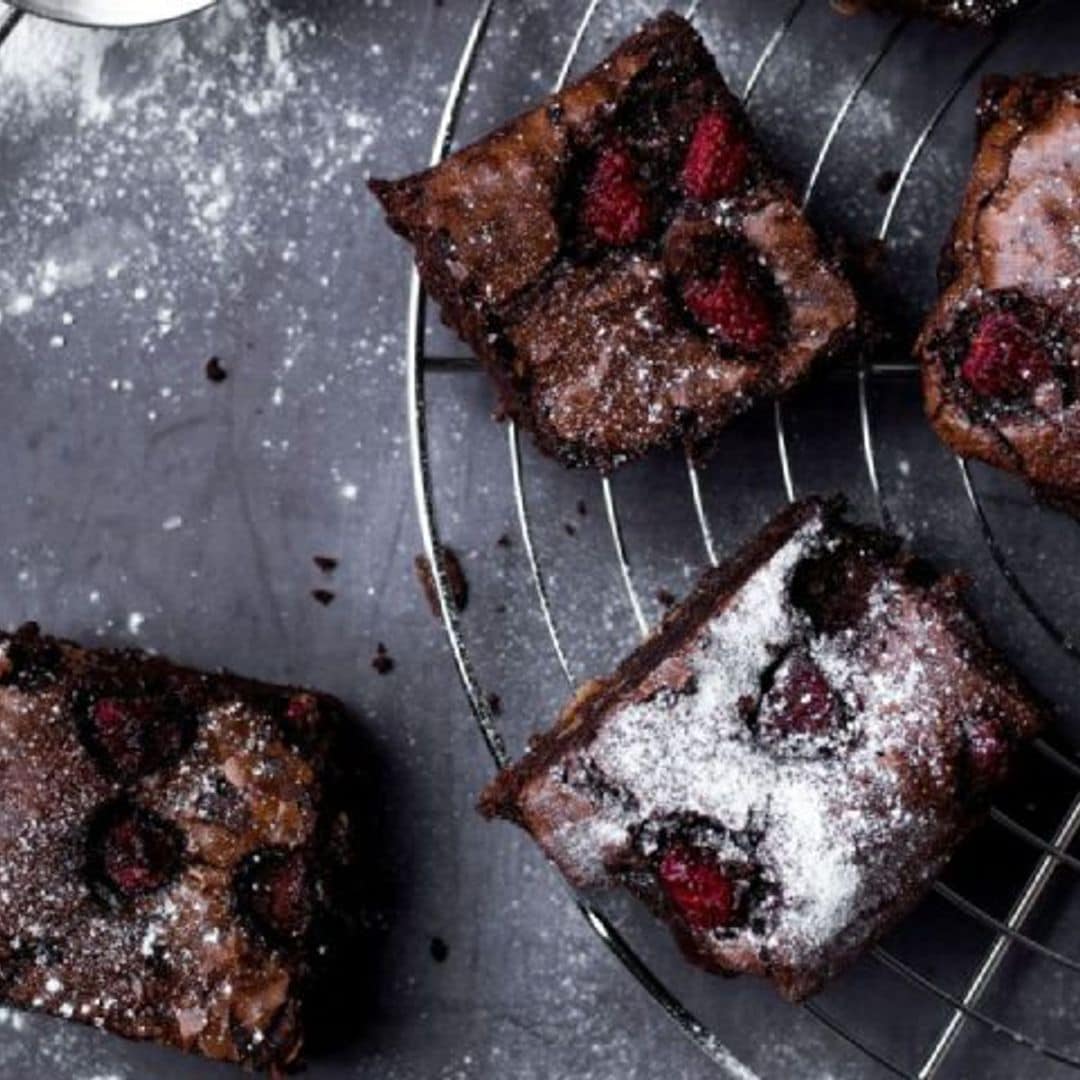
{"x":979,"y":12}
{"x":783,"y":767}
{"x":174,"y":857}
{"x":1000,"y":352}
{"x":623,"y":259}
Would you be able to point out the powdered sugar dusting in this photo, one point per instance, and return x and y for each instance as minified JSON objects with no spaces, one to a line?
{"x":837,"y":824}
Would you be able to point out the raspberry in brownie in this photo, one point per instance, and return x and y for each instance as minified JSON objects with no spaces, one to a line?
{"x":174,"y":848}
{"x":1000,"y":352}
{"x":784,"y":766}
{"x":624,"y":260}
{"x":959,"y":12}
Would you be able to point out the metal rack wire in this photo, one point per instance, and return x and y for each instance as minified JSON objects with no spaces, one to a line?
{"x":964,"y":1008}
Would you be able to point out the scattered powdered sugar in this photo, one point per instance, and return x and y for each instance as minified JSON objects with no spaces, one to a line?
{"x":144,"y":179}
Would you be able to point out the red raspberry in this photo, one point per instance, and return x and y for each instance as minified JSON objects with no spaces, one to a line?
{"x":800,"y":703}
{"x":732,"y":306}
{"x":616,"y":209}
{"x":139,"y":852}
{"x":1005,"y":360}
{"x":718,"y":159}
{"x":703,"y":894}
{"x":134,"y":737}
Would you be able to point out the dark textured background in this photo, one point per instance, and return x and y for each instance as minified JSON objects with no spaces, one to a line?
{"x":191,"y":191}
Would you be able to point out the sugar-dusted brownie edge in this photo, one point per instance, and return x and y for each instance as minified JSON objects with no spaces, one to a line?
{"x":586,"y":713}
{"x":1037,"y":433}
{"x":583,"y":713}
{"x":770,"y":226}
{"x":265,"y":841}
{"x":956,"y":12}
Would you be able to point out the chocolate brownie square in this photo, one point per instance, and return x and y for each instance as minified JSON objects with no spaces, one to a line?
{"x":175,"y":848}
{"x":959,"y":12}
{"x":783,"y":767}
{"x":1001,"y":350}
{"x":624,"y":260}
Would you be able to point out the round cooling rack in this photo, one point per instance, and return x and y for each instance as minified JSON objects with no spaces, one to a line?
{"x":966,"y":978}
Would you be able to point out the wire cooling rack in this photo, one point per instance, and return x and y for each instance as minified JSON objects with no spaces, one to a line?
{"x":962,"y":1010}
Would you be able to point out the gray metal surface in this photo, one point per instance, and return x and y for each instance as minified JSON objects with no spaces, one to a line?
{"x":196,"y":190}
{"x":113,"y":12}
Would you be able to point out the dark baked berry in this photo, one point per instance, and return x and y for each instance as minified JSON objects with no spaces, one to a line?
{"x":274,"y":890}
{"x":699,"y":889}
{"x":832,"y":589}
{"x":616,"y":209}
{"x":800,"y":702}
{"x":131,"y":737}
{"x":132,"y":851}
{"x":731,"y":305}
{"x":1005,"y":360}
{"x":718,"y":159}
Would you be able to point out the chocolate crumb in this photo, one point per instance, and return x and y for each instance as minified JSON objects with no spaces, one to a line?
{"x":214,"y":371}
{"x":324,"y":596}
{"x":455,"y":580}
{"x":382,"y":661}
{"x":439,"y":950}
{"x":570,"y":530}
{"x":582,"y":509}
{"x":665,"y":597}
{"x":886,"y":181}
{"x":494,"y":704}
{"x":504,"y":541}
{"x":326,"y":563}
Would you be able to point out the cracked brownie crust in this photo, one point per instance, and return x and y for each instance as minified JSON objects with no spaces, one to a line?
{"x":781,"y":770}
{"x":1000,"y":352}
{"x":173,"y":855}
{"x":623,"y":259}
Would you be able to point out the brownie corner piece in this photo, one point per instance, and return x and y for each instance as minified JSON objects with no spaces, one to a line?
{"x":1000,"y":353}
{"x":176,"y":854}
{"x":624,"y":260}
{"x":783,"y":767}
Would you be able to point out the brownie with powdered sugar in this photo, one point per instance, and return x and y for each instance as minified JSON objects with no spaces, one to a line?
{"x":1000,"y":353}
{"x":176,"y":850}
{"x":625,"y":260}
{"x":784,"y":766}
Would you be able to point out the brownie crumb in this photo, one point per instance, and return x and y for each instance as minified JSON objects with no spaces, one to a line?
{"x":570,"y":529}
{"x":494,"y":703}
{"x":382,"y":661}
{"x":455,"y":579}
{"x":323,"y":596}
{"x":440,"y":951}
{"x":504,"y":541}
{"x":582,"y":509}
{"x":886,"y":181}
{"x":326,"y":563}
{"x":665,"y":597}
{"x":214,"y":371}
